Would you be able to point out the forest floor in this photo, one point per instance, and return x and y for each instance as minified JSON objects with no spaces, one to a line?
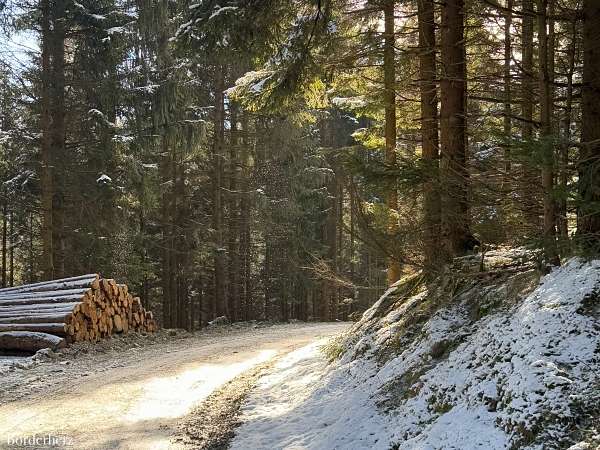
{"x":139,"y":392}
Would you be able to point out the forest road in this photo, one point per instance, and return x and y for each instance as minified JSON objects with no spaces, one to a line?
{"x":137,"y":403}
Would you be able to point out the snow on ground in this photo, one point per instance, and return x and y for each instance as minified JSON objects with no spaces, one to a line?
{"x":518,"y":377}
{"x":8,"y":362}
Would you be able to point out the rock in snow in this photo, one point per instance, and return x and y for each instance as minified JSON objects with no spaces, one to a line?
{"x":104,"y":179}
{"x":522,"y":373}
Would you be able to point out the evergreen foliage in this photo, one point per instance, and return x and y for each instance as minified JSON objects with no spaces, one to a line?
{"x":229,"y":157}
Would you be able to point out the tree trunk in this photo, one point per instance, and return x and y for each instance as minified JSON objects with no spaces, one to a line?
{"x":389,"y":68}
{"x":182,"y":255}
{"x":46,"y":150}
{"x":220,"y":294}
{"x":234,"y":218}
{"x":546,"y":132}
{"x":166,"y":239}
{"x":31,"y":277}
{"x":352,"y":232}
{"x":562,"y":219}
{"x":454,"y":175}
{"x":58,"y":129}
{"x":340,"y":243}
{"x":588,"y":213}
{"x":11,"y":254}
{"x":4,"y":243}
{"x":429,"y":131}
{"x":245,"y":243}
{"x":507,"y":125}
{"x":162,"y":127}
{"x":530,"y":182}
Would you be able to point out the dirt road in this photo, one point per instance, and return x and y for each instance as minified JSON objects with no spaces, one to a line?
{"x":133,"y":398}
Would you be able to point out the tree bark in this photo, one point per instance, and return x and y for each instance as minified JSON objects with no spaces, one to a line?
{"x":164,"y":127}
{"x":220,"y":294}
{"x":530,"y":184}
{"x":4,"y":243}
{"x":31,"y":267}
{"x":588,"y":213}
{"x":11,"y":252}
{"x":166,"y":271}
{"x":245,"y":236}
{"x":454,"y":175}
{"x":507,"y":125}
{"x":546,"y":132}
{"x":429,"y":131}
{"x":234,"y":219}
{"x":29,"y":341}
{"x":182,"y":255}
{"x":37,"y":318}
{"x":389,"y":68}
{"x":46,"y":150}
{"x":58,"y":130}
{"x":562,"y":219}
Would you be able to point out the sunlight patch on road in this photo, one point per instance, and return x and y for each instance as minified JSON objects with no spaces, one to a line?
{"x":174,"y":396}
{"x":292,"y":380}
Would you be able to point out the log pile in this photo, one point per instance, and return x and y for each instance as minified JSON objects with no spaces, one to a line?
{"x":83,"y":308}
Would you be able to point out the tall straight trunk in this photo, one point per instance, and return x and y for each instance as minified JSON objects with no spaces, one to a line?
{"x":340,"y":243}
{"x":331,"y":241}
{"x":220,"y":294}
{"x":352,"y":232}
{"x":181,"y":256}
{"x":162,"y":126}
{"x":507,"y":125}
{"x":261,"y":154}
{"x":46,"y":149}
{"x":30,"y":251}
{"x":269,"y":273}
{"x":144,"y":288}
{"x":546,"y":131}
{"x":389,"y":75}
{"x":530,"y":177}
{"x":59,"y":228}
{"x":429,"y":130}
{"x":176,"y":261}
{"x":454,"y":176}
{"x":4,"y":242}
{"x":328,"y":236}
{"x":234,"y":218}
{"x":174,"y":232}
{"x":11,"y":253}
{"x":562,"y":220}
{"x":58,"y":129}
{"x":588,"y":213}
{"x":527,"y":67}
{"x":167,"y":231}
{"x":245,"y":243}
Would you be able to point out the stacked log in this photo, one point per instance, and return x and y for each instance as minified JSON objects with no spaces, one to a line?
{"x":83,"y":308}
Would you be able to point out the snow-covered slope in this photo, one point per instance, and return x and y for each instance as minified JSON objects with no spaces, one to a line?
{"x":485,"y":360}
